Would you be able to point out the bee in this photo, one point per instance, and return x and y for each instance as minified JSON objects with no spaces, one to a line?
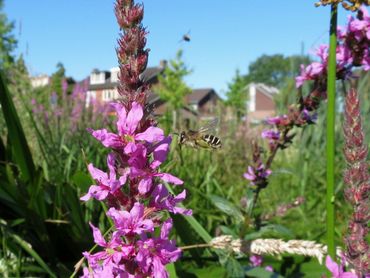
{"x":201,"y":138}
{"x":186,"y":37}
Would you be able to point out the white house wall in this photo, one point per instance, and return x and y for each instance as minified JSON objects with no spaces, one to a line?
{"x":252,"y":99}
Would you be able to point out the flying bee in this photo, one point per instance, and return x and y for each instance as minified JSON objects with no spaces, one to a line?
{"x":201,"y":138}
{"x":186,"y":37}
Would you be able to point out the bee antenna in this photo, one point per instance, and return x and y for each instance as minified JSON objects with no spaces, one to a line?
{"x":175,"y":133}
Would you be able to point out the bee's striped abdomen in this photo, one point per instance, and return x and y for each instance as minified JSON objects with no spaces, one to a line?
{"x":212,"y":141}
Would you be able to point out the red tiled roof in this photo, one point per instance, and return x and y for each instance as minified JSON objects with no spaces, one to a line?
{"x":198,"y":94}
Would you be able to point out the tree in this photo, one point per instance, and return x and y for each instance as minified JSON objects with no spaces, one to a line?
{"x":56,"y":79}
{"x":236,"y":94}
{"x":171,"y":87}
{"x":7,"y":40}
{"x":274,"y":70}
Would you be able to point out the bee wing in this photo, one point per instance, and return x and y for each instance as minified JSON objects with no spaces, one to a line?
{"x":210,"y":126}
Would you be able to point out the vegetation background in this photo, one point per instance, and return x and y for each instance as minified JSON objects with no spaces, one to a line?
{"x":44,"y":150}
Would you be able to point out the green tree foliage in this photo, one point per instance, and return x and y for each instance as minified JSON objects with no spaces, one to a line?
{"x":56,"y":79}
{"x":19,"y":77}
{"x":274,"y":70}
{"x":236,"y":94}
{"x":171,"y":87}
{"x":7,"y":40}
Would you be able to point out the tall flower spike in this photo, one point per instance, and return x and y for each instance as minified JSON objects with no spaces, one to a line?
{"x":132,"y":55}
{"x":132,"y":191}
{"x":357,"y":179}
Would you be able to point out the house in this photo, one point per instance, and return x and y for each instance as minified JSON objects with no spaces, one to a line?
{"x":40,"y":81}
{"x":103,"y":88}
{"x":203,"y":101}
{"x":260,"y":104}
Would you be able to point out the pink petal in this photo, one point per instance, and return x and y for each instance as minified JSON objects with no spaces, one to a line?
{"x":145,"y":185}
{"x":97,"y":192}
{"x":108,"y":139}
{"x":249,"y":176}
{"x":137,"y":211}
{"x":166,"y":228}
{"x":134,"y":117}
{"x":160,"y":152}
{"x":169,"y":178}
{"x":332,"y":266}
{"x":152,"y":134}
{"x":96,"y":173}
{"x":98,"y":238}
{"x":180,"y":197}
{"x":111,"y":161}
{"x":121,"y":115}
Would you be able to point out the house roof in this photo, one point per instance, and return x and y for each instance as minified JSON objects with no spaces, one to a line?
{"x":198,"y":95}
{"x":265,"y":89}
{"x":148,"y":76}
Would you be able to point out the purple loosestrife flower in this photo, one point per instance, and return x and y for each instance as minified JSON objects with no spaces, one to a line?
{"x":352,"y":51}
{"x":154,"y":253}
{"x":127,"y":125}
{"x":163,"y":200}
{"x":337,"y":270}
{"x":271,"y":134}
{"x":278,"y":120}
{"x":131,"y":223}
{"x":106,"y":184}
{"x":257,"y":176}
{"x":132,"y":190}
{"x":113,"y":252}
{"x":256,"y":260}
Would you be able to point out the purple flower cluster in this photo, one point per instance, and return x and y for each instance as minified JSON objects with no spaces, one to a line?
{"x":257,"y":260}
{"x":133,"y":180}
{"x":133,"y":187}
{"x":352,"y":51}
{"x":257,"y":175}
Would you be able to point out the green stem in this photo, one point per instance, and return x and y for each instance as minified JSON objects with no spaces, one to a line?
{"x":330,"y":136}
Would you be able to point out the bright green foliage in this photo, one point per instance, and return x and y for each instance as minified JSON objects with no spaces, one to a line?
{"x":171,"y":87}
{"x":7,"y":40}
{"x":236,"y":94}
{"x":274,"y":70}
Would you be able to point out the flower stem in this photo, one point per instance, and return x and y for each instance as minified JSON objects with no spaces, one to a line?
{"x":204,"y":245}
{"x":330,"y":136}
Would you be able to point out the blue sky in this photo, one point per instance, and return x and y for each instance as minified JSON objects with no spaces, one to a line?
{"x":225,"y":35}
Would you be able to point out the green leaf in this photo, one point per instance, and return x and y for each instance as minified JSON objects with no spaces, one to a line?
{"x":193,"y":222}
{"x":171,"y":270}
{"x":212,"y":271}
{"x":28,"y":248}
{"x":260,"y":272}
{"x":227,"y":207}
{"x":233,"y":268}
{"x":271,"y":230}
{"x":19,"y":148}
